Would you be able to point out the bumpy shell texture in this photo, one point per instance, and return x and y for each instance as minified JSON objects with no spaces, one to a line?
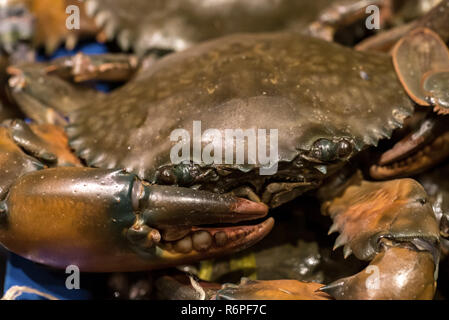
{"x":177,"y":24}
{"x":305,"y":88}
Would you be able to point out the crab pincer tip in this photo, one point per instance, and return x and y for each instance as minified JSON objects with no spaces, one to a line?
{"x":247,"y":207}
{"x":335,"y":289}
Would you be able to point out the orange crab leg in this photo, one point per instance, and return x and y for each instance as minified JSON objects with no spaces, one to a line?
{"x":392,"y":224}
{"x":181,"y":288}
{"x":273,"y":290}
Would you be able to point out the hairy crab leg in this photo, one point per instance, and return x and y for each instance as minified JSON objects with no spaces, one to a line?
{"x":392,"y":224}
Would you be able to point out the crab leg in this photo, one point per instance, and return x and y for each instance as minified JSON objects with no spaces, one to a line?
{"x":106,"y":220}
{"x":272,"y":290}
{"x":389,"y":223}
{"x":25,"y":149}
{"x":46,"y":98}
{"x":11,"y":153}
{"x":392,"y":224}
{"x":422,"y":149}
{"x":107,"y":67}
{"x":179,"y":287}
{"x":436,"y":20}
{"x":44,"y":94}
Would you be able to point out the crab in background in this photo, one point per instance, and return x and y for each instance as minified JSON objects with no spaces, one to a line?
{"x":118,"y":203}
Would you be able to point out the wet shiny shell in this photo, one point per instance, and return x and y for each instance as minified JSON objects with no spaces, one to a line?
{"x":306,"y":88}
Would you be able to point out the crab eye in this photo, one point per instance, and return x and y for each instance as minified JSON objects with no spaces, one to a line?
{"x":326,"y":150}
{"x":344,"y":149}
{"x":323,"y":150}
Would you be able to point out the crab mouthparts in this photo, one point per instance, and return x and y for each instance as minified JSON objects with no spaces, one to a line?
{"x":212,"y":240}
{"x":196,"y":221}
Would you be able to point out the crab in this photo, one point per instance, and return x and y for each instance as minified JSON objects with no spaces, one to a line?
{"x":133,"y":208}
{"x":177,"y":25}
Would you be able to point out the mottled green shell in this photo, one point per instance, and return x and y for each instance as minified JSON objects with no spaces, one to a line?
{"x":306,"y":88}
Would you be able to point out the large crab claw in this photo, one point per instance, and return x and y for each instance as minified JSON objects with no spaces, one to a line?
{"x":109,"y":220}
{"x":397,"y":273}
{"x":392,"y":224}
